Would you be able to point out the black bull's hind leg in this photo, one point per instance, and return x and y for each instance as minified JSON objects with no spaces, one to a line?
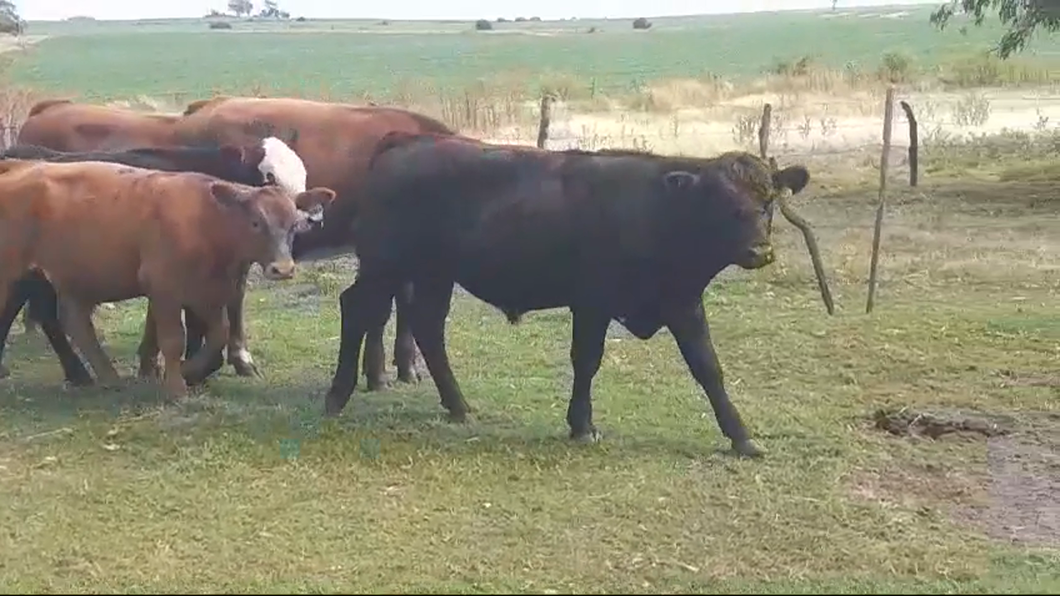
{"x":689,"y":327}
{"x":363,"y":306}
{"x":404,"y":346}
{"x":366,"y":304}
{"x":586,"y":352}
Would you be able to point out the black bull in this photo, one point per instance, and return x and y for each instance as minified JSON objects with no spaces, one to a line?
{"x":614,"y":235}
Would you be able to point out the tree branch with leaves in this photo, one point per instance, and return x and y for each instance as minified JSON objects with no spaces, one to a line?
{"x":1023,"y":18}
{"x":10,"y":21}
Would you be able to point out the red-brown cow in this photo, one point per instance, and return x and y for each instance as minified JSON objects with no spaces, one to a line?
{"x":62,"y":125}
{"x":336,"y":142}
{"x":104,"y":232}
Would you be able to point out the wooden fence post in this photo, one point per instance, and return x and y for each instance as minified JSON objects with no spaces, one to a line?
{"x":914,"y":144}
{"x":546,"y":120}
{"x":888,"y":116}
{"x":763,"y":130}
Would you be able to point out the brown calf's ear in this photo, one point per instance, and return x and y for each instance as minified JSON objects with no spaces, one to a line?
{"x":226,"y":194}
{"x":314,"y":197}
{"x":680,"y":180}
{"x":794,"y":178}
{"x":313,"y":201}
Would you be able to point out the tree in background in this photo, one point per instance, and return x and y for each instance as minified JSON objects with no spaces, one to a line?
{"x":239,"y":7}
{"x":271,"y":10}
{"x":1022,"y":17}
{"x":10,"y":22}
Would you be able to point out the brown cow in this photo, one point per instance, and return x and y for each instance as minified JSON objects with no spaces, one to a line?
{"x":62,"y":125}
{"x":335,"y":142}
{"x":104,"y":232}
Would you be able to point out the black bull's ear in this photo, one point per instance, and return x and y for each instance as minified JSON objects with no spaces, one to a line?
{"x":794,"y":178}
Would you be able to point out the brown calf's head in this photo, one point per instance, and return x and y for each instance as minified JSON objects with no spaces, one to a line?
{"x":731,"y":203}
{"x":268,"y":220}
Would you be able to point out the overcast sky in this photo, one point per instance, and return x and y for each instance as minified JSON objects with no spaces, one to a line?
{"x":426,"y":9}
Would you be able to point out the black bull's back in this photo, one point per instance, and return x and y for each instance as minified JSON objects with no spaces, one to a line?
{"x":613,"y":235}
{"x":527,"y":230}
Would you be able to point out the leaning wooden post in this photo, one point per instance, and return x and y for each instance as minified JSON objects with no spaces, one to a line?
{"x":914,"y":144}
{"x":546,"y":120}
{"x":763,"y":130}
{"x":888,"y":116}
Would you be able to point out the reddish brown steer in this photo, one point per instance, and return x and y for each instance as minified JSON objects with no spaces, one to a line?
{"x":104,"y":232}
{"x":335,"y":142}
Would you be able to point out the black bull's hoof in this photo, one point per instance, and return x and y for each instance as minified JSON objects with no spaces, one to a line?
{"x":747,"y":448}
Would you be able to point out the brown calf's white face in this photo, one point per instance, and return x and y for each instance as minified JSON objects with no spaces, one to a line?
{"x":272,"y":222}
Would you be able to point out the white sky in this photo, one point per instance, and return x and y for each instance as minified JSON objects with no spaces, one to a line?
{"x":428,"y":9}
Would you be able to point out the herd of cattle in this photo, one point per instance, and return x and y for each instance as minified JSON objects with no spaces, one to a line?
{"x":102,"y":205}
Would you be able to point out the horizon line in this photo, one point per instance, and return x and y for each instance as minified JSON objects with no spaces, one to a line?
{"x":455,"y":20}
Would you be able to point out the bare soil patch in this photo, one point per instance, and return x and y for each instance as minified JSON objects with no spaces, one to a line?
{"x":907,"y":421}
{"x":1015,"y":499}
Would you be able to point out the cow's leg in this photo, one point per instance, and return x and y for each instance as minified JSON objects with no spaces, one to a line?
{"x":148,"y":351}
{"x":13,"y":304}
{"x":42,"y":304}
{"x":588,"y":333}
{"x":169,"y":330}
{"x":363,"y":305}
{"x":238,"y":355}
{"x":194,"y":333}
{"x":76,"y":317}
{"x":211,"y":358}
{"x":688,"y":324}
{"x":405,"y":351}
{"x":375,"y":356}
{"x":28,"y":323}
{"x":427,"y":313}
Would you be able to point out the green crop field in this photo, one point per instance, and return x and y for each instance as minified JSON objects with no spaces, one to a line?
{"x":910,"y":450}
{"x":100,"y":61}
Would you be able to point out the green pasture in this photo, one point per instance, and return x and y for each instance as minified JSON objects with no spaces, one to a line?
{"x":244,"y":488}
{"x":106,"y":60}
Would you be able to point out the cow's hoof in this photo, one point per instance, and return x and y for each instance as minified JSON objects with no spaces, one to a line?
{"x":244,"y":364}
{"x":411,"y":376}
{"x":333,"y":405}
{"x":747,"y":448}
{"x":458,"y":416}
{"x":586,"y":437}
{"x":376,"y":383}
{"x":245,"y":369}
{"x":4,"y":373}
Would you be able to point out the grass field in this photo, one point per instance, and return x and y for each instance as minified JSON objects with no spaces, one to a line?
{"x":243,"y":488}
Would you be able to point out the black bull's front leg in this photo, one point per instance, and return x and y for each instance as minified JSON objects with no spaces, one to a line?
{"x":688,"y":324}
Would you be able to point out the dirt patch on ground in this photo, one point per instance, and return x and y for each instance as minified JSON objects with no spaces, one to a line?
{"x":1015,"y":497}
{"x":1024,"y":490}
{"x":936,"y":424}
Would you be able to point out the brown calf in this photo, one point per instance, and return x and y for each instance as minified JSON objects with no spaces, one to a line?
{"x":104,"y":232}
